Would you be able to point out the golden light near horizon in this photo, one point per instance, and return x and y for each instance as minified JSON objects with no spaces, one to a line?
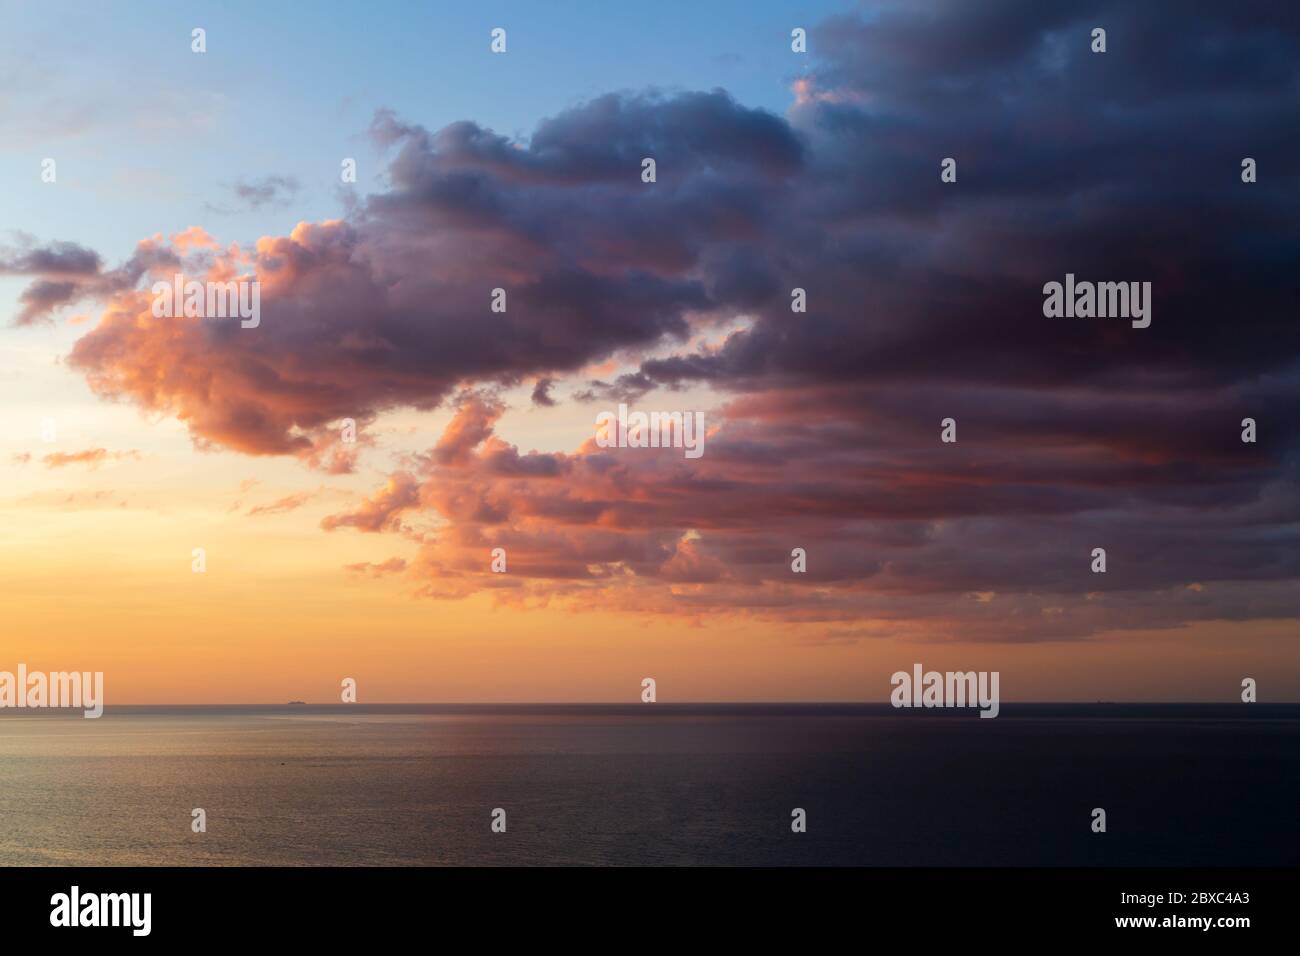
{"x":911,"y":408}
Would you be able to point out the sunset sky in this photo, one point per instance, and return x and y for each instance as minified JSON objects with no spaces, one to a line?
{"x":775,"y":170}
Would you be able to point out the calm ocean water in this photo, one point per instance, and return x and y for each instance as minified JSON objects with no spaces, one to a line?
{"x":657,"y":784}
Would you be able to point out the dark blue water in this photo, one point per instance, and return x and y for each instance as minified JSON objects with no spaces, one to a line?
{"x":660,"y":783}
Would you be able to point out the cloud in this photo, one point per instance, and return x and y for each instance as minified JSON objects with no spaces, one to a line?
{"x":391,"y":566}
{"x":94,"y":457}
{"x":990,"y":550}
{"x":288,"y":503}
{"x":542,"y":392}
{"x":382,"y":511}
{"x":253,"y":194}
{"x":924,"y":302}
{"x":390,"y":307}
{"x":54,"y":259}
{"x":628,"y":387}
{"x":67,"y":273}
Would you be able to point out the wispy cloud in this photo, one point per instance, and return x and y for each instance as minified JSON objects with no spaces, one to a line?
{"x":252,"y":194}
{"x":287,"y":503}
{"x":93,"y":457}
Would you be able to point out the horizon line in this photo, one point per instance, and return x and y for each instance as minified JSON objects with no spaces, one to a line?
{"x":626,"y":703}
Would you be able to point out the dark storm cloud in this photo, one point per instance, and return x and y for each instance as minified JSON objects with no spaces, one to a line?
{"x":603,"y":142}
{"x":1123,"y":165}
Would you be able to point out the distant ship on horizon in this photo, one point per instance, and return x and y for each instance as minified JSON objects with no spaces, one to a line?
{"x":293,"y":703}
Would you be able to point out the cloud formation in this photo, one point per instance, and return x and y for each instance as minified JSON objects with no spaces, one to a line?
{"x":924,"y":303}
{"x":92,"y":457}
{"x":253,"y":194}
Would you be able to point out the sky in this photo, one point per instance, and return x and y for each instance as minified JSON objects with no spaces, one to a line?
{"x":134,"y":439}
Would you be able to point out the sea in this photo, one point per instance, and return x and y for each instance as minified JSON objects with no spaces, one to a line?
{"x":652,"y":784}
